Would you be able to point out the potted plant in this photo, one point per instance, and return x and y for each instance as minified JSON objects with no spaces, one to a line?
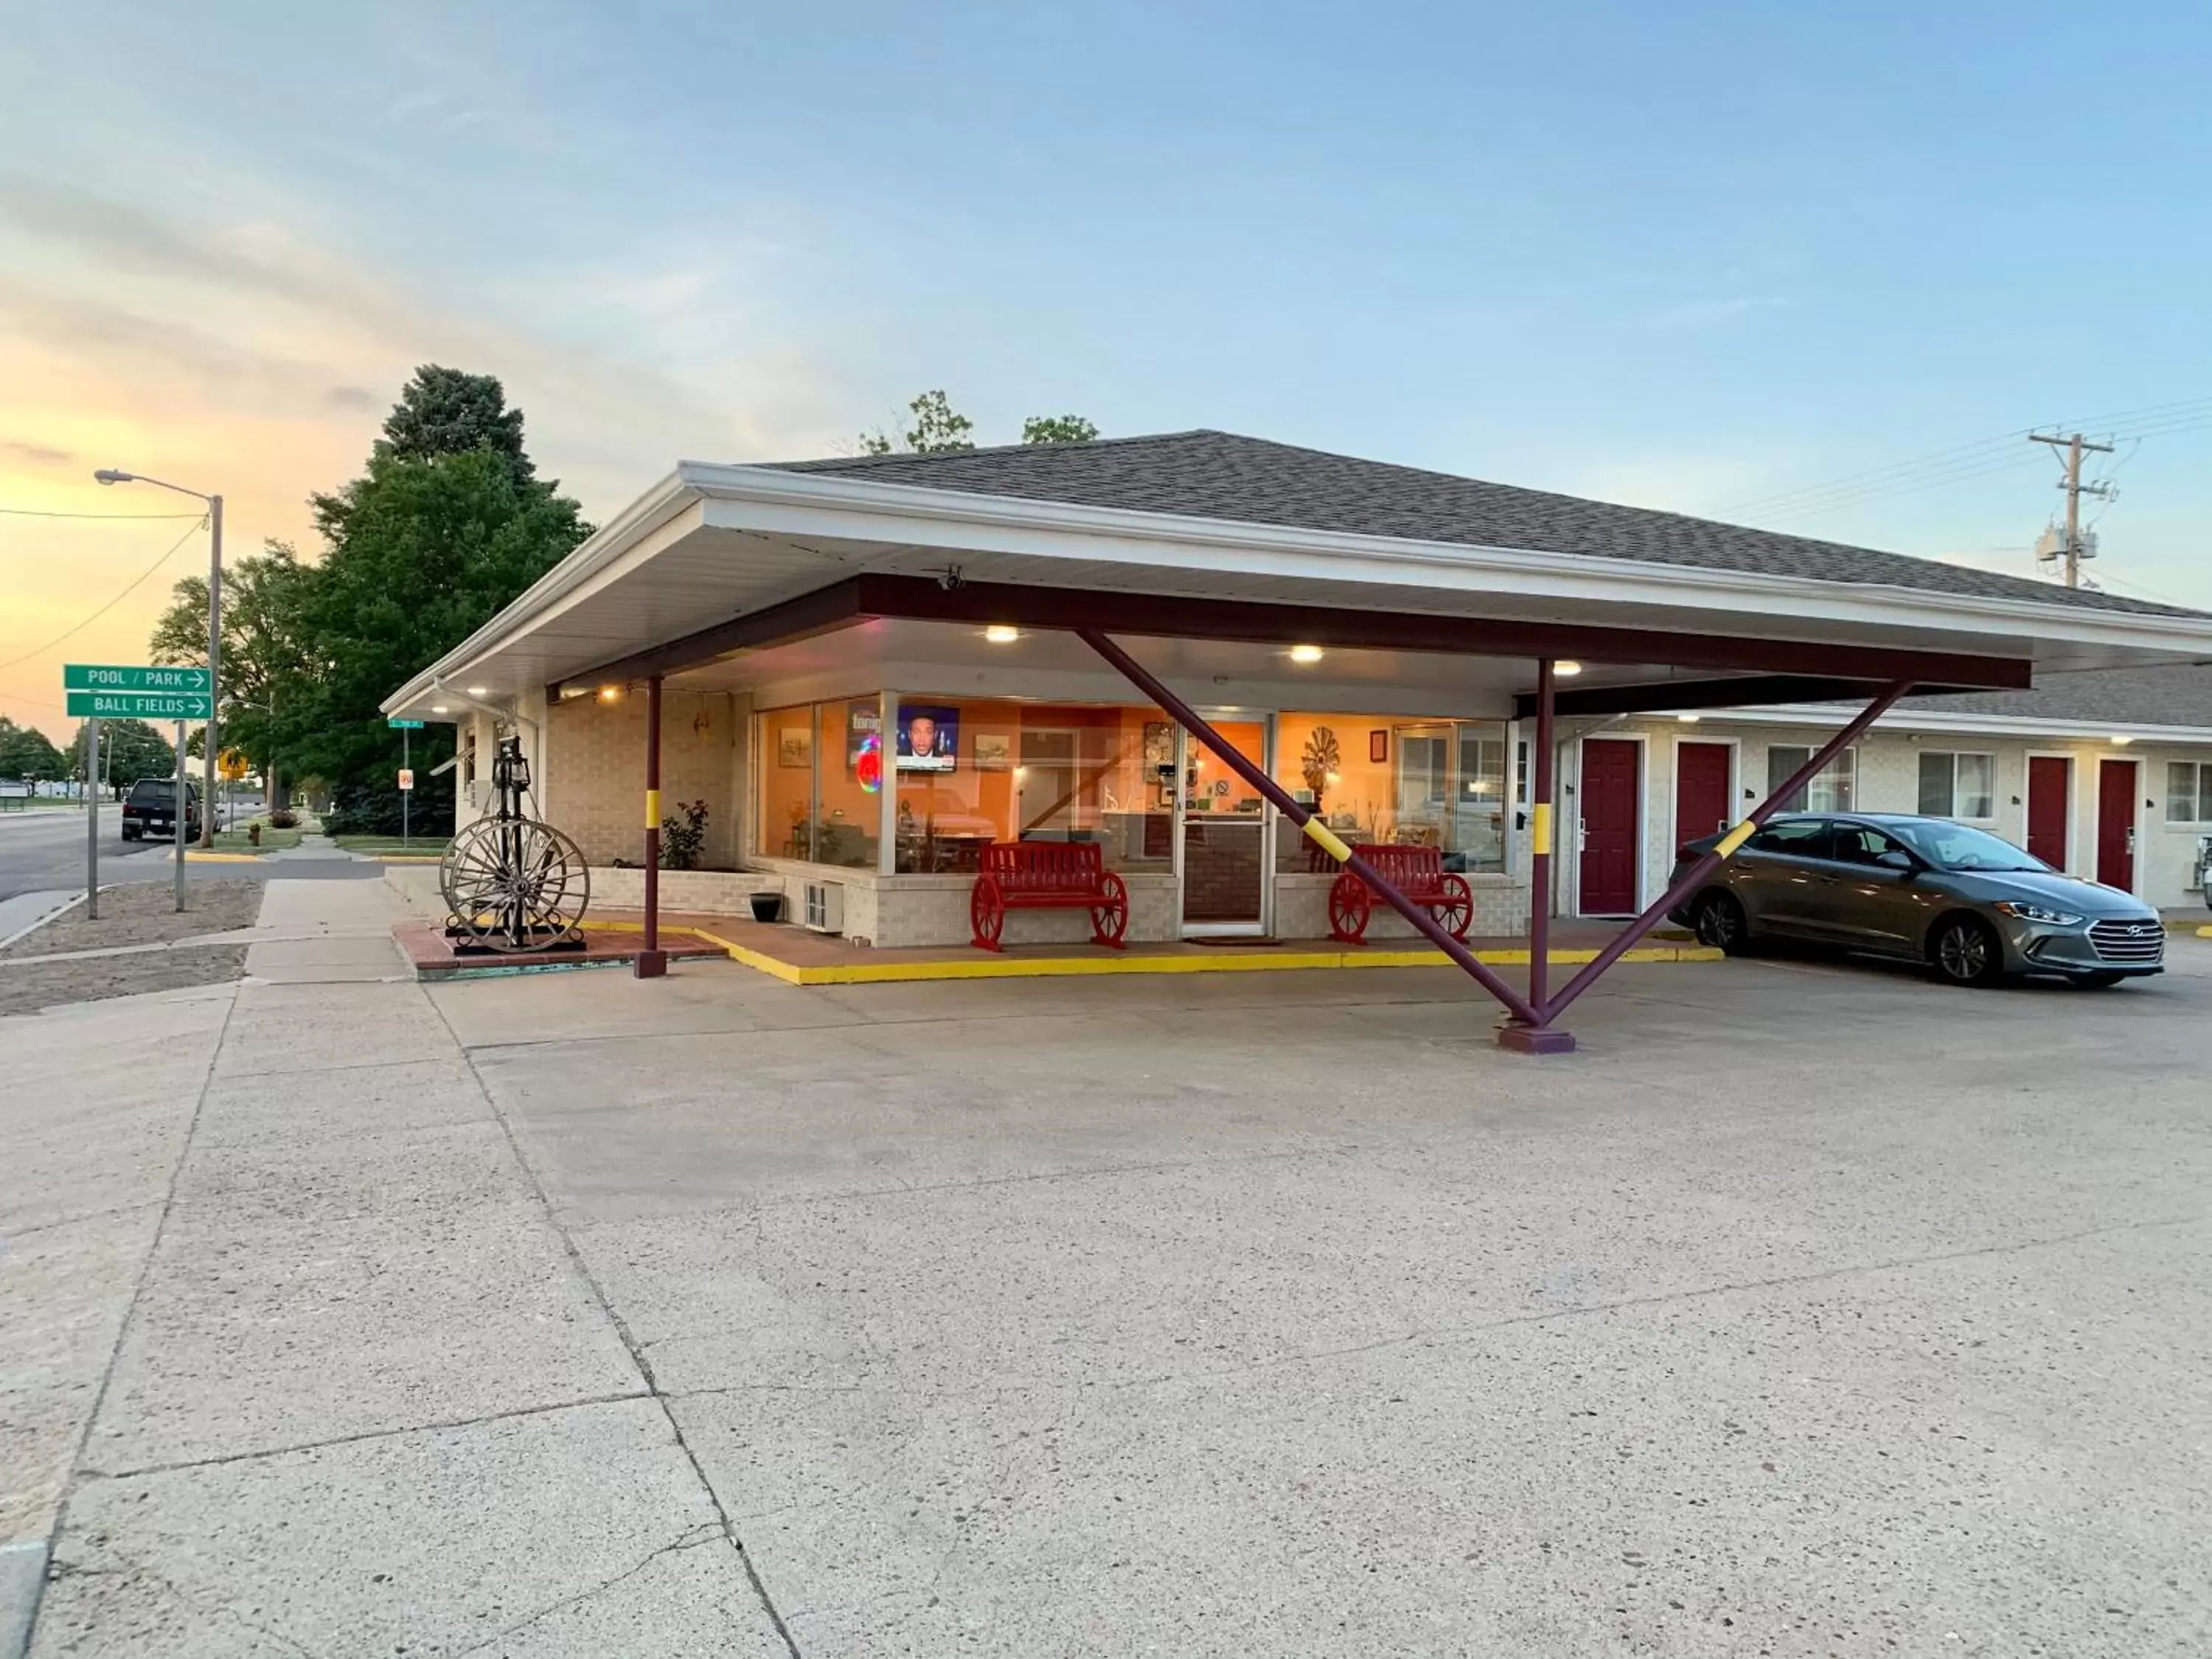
{"x":767,"y":906}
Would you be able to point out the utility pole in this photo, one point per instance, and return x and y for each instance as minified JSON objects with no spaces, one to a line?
{"x":215,"y":667}
{"x":2074,"y":447}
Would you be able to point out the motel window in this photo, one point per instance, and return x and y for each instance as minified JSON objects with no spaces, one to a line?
{"x":972,"y":771}
{"x":1832,"y":789}
{"x":1430,"y":783}
{"x":2189,"y":791}
{"x":816,"y":801}
{"x":1958,"y":785}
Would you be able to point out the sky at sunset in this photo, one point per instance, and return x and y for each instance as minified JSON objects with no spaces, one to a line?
{"x":1695,"y":256}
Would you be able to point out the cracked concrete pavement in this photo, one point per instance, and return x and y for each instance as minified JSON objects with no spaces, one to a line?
{"x":1812,"y":1309}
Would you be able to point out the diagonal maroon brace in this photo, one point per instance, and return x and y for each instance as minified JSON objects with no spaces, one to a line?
{"x":1319,"y":833}
{"x":1698,"y":873}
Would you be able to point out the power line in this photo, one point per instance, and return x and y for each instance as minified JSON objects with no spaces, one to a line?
{"x":34,"y":513}
{"x":1964,"y":461}
{"x":128,"y":590}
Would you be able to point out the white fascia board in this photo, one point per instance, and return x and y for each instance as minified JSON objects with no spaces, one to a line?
{"x":592,"y":557}
{"x":1915,"y":719}
{"x":800,"y":503}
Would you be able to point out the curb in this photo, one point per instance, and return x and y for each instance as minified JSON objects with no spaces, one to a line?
{"x":1003,"y":967}
{"x":61,"y":909}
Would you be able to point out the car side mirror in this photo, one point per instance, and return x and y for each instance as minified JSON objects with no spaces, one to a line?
{"x":1894,"y":860}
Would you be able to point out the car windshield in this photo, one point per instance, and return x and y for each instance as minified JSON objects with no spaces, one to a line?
{"x":1954,"y":847}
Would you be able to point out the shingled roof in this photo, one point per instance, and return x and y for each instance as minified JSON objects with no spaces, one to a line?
{"x":1219,"y":475}
{"x":2172,"y":694}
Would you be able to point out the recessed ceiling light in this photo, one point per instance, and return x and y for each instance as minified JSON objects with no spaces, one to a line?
{"x":2122,"y":743}
{"x":479,"y":690}
{"x":1305,"y":654}
{"x":438,"y":709}
{"x":1566,"y":670}
{"x":1001,"y":633}
{"x":1688,"y":719}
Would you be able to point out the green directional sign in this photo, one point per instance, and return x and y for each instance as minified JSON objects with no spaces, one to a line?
{"x":399,"y":725}
{"x":94,"y":676}
{"x":142,"y":705}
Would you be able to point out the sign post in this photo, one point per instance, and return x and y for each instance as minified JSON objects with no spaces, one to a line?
{"x":407,"y":729}
{"x":92,"y":819}
{"x":183,"y":814}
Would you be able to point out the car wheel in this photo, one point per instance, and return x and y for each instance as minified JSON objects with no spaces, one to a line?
{"x":1967,"y":952}
{"x":130,"y":835}
{"x":2095,"y":981}
{"x":1722,"y":926}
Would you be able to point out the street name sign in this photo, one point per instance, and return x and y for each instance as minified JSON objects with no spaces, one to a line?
{"x":142,"y":705}
{"x":399,"y":725}
{"x":94,"y":676}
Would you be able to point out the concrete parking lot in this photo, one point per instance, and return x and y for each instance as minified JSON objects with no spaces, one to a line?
{"x":1810,"y":1309}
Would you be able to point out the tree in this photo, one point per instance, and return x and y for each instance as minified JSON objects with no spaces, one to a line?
{"x":265,"y":652}
{"x":938,"y":427}
{"x":129,"y":750}
{"x":1058,"y":429}
{"x":422,"y":552}
{"x":448,"y":411}
{"x":26,"y":753}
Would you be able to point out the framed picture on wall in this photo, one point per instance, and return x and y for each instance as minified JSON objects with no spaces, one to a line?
{"x":994,"y":752}
{"x":1159,"y":743}
{"x":1378,"y":746}
{"x":794,"y":746}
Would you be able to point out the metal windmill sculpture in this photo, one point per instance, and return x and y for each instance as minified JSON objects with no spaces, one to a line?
{"x":512,"y":883}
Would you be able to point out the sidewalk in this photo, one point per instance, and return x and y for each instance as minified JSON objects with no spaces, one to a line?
{"x":283,"y":1294}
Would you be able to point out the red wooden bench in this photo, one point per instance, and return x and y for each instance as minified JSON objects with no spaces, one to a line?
{"x":1418,"y":872}
{"x":1047,"y":875}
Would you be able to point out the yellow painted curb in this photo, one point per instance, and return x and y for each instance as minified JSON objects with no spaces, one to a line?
{"x":402,"y":858}
{"x":2204,"y":932}
{"x":191,"y":857}
{"x":983,"y":966}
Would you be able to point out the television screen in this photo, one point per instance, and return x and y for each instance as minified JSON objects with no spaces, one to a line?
{"x":928,"y":737}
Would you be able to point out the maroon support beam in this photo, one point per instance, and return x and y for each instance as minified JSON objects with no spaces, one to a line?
{"x":1699,"y":871}
{"x":1531,"y":1037}
{"x":860,"y":599}
{"x":651,"y":961}
{"x":1226,"y":753}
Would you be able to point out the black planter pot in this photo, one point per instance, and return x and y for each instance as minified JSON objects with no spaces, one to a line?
{"x":767,"y":906}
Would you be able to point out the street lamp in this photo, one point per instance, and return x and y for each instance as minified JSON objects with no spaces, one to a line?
{"x":108,"y":475}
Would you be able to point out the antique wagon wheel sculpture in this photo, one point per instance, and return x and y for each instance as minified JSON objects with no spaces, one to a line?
{"x":512,"y":883}
{"x":516,"y":885}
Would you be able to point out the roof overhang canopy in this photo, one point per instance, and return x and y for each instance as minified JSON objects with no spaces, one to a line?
{"x":719,"y":562}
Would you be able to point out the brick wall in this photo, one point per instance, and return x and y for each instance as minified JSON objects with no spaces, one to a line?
{"x":1888,"y":781}
{"x":595,"y":770}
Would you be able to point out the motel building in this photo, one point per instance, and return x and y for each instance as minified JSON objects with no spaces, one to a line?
{"x":1228,"y":665}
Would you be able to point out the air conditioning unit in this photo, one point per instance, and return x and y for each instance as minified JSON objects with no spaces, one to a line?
{"x":823,"y":906}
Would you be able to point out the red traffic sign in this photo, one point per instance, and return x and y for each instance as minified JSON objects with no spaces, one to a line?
{"x":407,"y":779}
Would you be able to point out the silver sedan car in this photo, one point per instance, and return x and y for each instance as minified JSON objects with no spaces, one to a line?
{"x":1974,"y":908}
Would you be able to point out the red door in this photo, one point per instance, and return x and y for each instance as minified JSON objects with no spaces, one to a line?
{"x":1701,"y":789}
{"x":2116,"y":823}
{"x":2050,"y":781}
{"x":1608,"y":816}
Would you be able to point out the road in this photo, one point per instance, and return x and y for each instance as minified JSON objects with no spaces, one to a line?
{"x":43,"y":851}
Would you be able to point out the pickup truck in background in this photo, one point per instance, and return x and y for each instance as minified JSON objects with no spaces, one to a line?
{"x":150,"y":809}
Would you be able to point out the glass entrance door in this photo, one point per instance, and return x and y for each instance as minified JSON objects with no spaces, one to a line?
{"x":1225,"y":824}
